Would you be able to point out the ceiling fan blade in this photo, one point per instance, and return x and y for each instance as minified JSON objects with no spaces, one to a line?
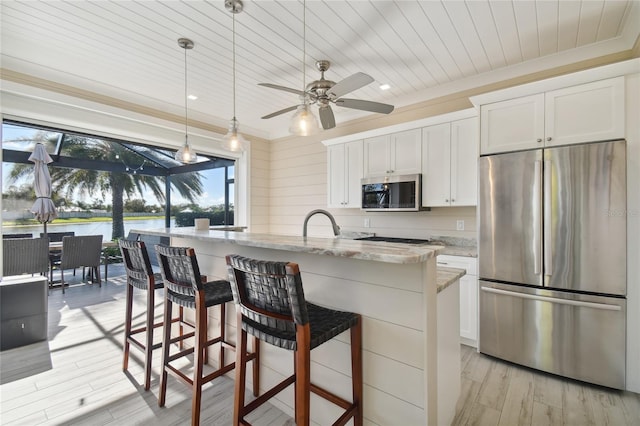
{"x":327,"y":118}
{"x":282,"y":111}
{"x":286,"y":89}
{"x":365,"y":105}
{"x":350,"y":84}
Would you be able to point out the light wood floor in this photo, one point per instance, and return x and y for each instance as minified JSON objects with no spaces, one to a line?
{"x":495,"y":392}
{"x":76,"y":378}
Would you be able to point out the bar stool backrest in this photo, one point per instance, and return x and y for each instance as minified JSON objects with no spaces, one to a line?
{"x":179,"y":269}
{"x":136,"y":262}
{"x":269,"y":293}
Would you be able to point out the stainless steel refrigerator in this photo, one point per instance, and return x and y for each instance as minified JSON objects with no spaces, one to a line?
{"x":552,"y":260}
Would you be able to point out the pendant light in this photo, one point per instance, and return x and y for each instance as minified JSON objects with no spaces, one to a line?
{"x":303,"y":122}
{"x":233,"y":141}
{"x":186,"y":154}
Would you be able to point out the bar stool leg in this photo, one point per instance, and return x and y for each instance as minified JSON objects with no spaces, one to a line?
{"x":148,"y":352}
{"x":127,"y":326}
{"x":356,"y":371}
{"x":303,"y":375}
{"x":256,"y":366}
{"x":166,"y":339}
{"x":198,"y":353}
{"x":241,"y":359}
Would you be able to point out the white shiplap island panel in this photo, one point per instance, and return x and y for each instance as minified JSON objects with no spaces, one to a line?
{"x":392,"y":286}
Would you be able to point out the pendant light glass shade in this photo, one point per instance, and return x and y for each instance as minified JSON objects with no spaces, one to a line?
{"x":233,"y":140}
{"x":186,"y":154}
{"x":303,"y":122}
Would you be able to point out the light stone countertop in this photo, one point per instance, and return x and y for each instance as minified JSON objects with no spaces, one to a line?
{"x":354,"y":249}
{"x":466,"y":251}
{"x":447,"y":276}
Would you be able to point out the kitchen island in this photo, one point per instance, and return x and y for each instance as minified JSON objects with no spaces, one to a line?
{"x":394,"y":288}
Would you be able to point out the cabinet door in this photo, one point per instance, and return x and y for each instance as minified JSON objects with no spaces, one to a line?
{"x":376,"y":156}
{"x":344,"y":164}
{"x":405,"y":152}
{"x":436,"y":160}
{"x":469,"y":308}
{"x":464,"y":162}
{"x":336,"y":165}
{"x":468,"y":295}
{"x":512,"y":125}
{"x":585,"y":113}
{"x":353,"y":175}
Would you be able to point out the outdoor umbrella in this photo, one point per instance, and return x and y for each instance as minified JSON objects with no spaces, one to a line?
{"x":43,"y":208}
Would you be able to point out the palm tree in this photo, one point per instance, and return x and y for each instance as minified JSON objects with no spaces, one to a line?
{"x":71,"y":182}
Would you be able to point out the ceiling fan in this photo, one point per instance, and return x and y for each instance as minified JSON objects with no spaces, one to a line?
{"x":324,"y":92}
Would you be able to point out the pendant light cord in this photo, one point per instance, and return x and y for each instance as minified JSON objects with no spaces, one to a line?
{"x":186,"y":110}
{"x":234,"y":64}
{"x":304,"y":46}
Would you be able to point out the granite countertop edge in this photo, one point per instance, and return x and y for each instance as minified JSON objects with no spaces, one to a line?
{"x":447,"y":276}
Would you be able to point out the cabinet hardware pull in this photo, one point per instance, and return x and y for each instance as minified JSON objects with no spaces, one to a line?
{"x":548,"y":138}
{"x":539,"y":140}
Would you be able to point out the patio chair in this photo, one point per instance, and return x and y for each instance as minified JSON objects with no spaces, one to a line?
{"x":25,"y":256}
{"x":54,"y":256}
{"x":83,"y":251}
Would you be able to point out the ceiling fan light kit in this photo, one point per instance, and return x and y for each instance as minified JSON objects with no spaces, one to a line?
{"x":186,"y":154}
{"x":233,"y":140}
{"x":303,"y":122}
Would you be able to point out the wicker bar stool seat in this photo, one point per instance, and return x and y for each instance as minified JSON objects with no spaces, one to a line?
{"x":184,"y":286}
{"x":140,"y":275}
{"x":270,"y":305}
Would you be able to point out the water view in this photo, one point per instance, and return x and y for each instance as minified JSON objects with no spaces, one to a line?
{"x":92,"y":228}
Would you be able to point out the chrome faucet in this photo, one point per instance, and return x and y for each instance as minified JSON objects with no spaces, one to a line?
{"x":336,"y":228}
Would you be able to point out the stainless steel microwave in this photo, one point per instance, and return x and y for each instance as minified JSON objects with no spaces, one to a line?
{"x":392,"y":193}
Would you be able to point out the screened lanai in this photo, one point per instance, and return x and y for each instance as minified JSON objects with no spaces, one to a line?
{"x":147,"y":169}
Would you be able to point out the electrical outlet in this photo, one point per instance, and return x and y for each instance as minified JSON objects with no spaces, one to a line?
{"x":460,"y":225}
{"x":367,"y":222}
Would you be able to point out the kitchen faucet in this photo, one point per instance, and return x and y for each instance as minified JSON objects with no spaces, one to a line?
{"x":336,"y":228}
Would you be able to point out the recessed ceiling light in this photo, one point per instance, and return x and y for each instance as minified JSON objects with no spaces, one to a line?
{"x":192,"y":97}
{"x":385,"y":87}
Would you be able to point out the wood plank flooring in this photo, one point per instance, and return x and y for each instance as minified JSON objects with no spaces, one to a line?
{"x":76,"y":378}
{"x":499,"y":393}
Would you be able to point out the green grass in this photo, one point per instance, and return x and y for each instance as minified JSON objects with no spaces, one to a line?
{"x":71,"y":220}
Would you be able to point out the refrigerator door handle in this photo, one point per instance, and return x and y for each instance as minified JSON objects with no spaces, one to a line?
{"x":548,"y":263}
{"x":537,"y":217}
{"x":578,"y":303}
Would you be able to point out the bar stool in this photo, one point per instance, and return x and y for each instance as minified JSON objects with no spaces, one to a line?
{"x":185,"y":287}
{"x":141,"y":276}
{"x":270,"y":304}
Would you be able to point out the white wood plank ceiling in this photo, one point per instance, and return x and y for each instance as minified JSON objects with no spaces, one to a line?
{"x":128,"y":49}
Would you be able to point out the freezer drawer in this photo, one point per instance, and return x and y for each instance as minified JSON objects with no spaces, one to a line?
{"x":572,"y":335}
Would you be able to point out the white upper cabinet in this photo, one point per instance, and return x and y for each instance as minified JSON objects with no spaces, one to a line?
{"x":464,"y":162}
{"x":584,"y":113}
{"x":394,"y":154}
{"x":512,"y":125}
{"x":449,"y":164}
{"x":344,"y":163}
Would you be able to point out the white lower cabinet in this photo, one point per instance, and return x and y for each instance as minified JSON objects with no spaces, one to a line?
{"x":468,"y":296}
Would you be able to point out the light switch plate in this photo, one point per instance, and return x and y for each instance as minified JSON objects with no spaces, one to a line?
{"x":460,"y":225}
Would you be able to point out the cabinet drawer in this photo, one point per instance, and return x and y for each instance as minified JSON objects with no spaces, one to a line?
{"x":469,"y":264}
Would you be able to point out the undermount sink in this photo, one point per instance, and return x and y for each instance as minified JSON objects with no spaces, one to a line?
{"x":395,"y":240}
